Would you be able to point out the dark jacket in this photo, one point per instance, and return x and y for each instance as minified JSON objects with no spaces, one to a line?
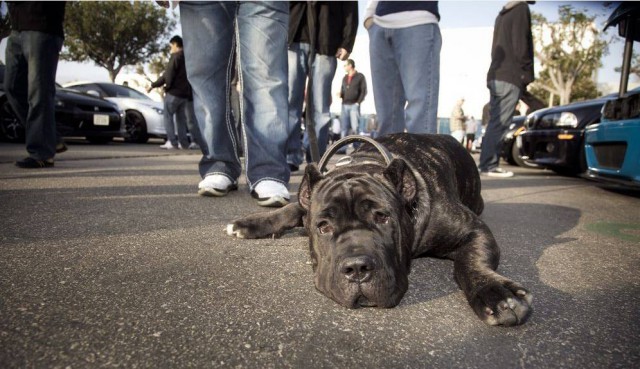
{"x":41,"y":16}
{"x":512,"y":49}
{"x":391,"y":7}
{"x":175,"y":77}
{"x":336,"y":24}
{"x":353,"y":92}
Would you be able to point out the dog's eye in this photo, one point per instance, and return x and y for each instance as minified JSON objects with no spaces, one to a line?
{"x":325,"y":228}
{"x":381,"y":218}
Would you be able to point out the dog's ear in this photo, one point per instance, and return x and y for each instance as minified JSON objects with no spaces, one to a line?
{"x":311,"y":176}
{"x":399,"y":173}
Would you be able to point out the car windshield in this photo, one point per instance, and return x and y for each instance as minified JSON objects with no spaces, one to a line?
{"x":122,"y":91}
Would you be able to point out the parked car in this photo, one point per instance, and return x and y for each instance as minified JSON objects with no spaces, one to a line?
{"x":554,"y":137}
{"x":77,"y":115}
{"x":510,"y":150}
{"x":613,"y":146}
{"x":144,"y":116}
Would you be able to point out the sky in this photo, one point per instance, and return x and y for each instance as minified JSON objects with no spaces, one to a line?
{"x":467,"y":28}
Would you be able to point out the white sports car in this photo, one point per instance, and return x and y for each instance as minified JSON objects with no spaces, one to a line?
{"x":144,"y":116}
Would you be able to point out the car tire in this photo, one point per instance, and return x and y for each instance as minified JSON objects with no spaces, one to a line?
{"x":517,"y":159}
{"x":99,"y":140}
{"x":136,"y":127}
{"x":10,"y":126}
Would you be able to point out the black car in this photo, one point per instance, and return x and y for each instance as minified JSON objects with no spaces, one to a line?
{"x":77,"y":115}
{"x":554,"y":137}
{"x":509,"y":149}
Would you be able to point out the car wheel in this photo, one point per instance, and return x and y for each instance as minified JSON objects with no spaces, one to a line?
{"x":136,"y":127}
{"x":11,"y":127}
{"x":99,"y":140}
{"x":517,"y":159}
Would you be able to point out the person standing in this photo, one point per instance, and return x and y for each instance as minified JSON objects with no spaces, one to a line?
{"x":177,"y":100}
{"x":332,"y":31}
{"x":457,"y":120}
{"x":471,"y":129}
{"x":257,"y":31}
{"x":404,"y":47}
{"x":510,"y":72}
{"x":352,"y":93}
{"x":32,"y":53}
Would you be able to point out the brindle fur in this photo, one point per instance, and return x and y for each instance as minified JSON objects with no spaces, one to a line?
{"x":367,"y":220}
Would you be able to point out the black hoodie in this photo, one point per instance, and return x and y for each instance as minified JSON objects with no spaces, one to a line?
{"x":512,"y":49}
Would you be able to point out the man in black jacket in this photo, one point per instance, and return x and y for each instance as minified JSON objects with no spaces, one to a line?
{"x":352,"y":93}
{"x":178,"y":101}
{"x":331,"y":27}
{"x":510,"y":72}
{"x":30,"y":75}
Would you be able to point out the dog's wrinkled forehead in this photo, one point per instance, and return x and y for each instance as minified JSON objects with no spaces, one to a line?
{"x":349,"y":187}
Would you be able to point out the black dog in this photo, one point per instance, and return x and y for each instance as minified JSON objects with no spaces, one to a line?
{"x":368,"y":218}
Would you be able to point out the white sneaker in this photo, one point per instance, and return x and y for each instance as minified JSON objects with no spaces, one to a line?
{"x":168,"y":146}
{"x":194,"y":146}
{"x":271,"y":194}
{"x":497,"y":172}
{"x":216,"y":185}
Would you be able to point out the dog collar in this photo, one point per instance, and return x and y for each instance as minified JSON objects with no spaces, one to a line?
{"x":347,"y":140}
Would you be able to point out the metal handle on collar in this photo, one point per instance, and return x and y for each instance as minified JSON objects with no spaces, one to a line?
{"x":350,"y":139}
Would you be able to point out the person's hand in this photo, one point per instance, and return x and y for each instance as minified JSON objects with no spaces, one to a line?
{"x":342,"y":54}
{"x":368,"y":22}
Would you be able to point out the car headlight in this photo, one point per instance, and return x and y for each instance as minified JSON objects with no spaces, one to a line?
{"x":158,"y":110}
{"x":567,"y":119}
{"x":560,"y":120}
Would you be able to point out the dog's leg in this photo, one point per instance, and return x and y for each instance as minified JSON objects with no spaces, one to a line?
{"x":495,"y":299}
{"x":267,"y":224}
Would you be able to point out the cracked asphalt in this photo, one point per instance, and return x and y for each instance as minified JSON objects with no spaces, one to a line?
{"x":111,"y":259}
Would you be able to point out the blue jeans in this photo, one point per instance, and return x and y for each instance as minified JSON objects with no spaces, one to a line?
{"x":322,"y":72}
{"x":210,"y":31}
{"x":176,"y":106}
{"x":405,"y":70}
{"x":503,"y":100}
{"x":194,"y":129}
{"x":349,"y":119}
{"x":30,"y":85}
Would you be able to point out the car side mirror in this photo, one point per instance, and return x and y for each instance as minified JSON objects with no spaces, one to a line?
{"x":93,"y":93}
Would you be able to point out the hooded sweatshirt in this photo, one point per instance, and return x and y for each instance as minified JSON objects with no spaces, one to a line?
{"x":512,"y":48}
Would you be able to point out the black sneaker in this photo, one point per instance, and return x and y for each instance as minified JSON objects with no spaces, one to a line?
{"x":31,"y":163}
{"x":497,"y":172}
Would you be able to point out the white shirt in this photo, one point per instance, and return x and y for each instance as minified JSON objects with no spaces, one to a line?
{"x":399,"y":20}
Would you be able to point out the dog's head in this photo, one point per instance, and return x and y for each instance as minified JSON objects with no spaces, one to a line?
{"x":360,"y":231}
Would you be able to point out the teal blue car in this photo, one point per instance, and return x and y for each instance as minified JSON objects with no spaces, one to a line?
{"x":612,"y":147}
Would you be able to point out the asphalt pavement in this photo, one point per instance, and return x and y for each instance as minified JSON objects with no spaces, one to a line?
{"x":111,"y":259}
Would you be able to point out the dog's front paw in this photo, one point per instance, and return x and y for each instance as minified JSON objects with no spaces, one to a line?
{"x":502,"y":303}
{"x":234,"y":231}
{"x":253,"y":226}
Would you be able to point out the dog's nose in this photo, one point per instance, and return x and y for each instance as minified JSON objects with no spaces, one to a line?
{"x":358,"y":269}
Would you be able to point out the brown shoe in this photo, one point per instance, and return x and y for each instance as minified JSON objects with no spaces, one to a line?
{"x":61,"y":147}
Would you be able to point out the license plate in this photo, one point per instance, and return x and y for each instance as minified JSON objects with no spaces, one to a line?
{"x":519,"y":142}
{"x":100,"y":120}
